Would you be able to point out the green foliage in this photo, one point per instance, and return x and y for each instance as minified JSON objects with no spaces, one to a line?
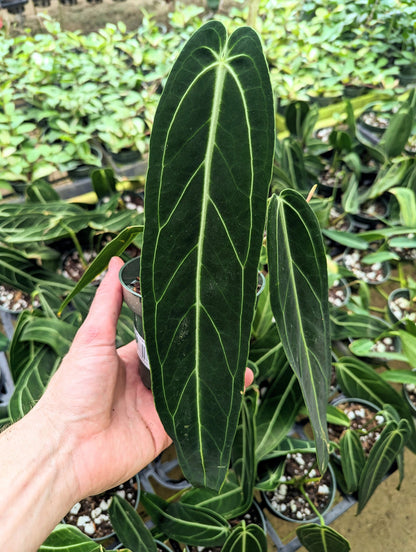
{"x":299,"y":299}
{"x":209,"y":170}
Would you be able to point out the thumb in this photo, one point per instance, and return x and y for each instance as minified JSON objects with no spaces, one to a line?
{"x":101,"y":322}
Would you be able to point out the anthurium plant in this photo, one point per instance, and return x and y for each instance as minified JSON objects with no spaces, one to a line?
{"x":205,"y":202}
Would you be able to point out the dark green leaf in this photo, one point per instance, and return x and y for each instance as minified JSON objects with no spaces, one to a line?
{"x":299,"y":299}
{"x":103,"y":182}
{"x":277,"y":411}
{"x":4,"y":342}
{"x":354,"y":325}
{"x":399,"y":376}
{"x":380,"y":459}
{"x":129,"y":526}
{"x":67,"y":538}
{"x":246,"y":538}
{"x":346,"y":238}
{"x":55,"y":333}
{"x":99,"y":264}
{"x":32,"y":382}
{"x":194,"y":525}
{"x":397,"y":134}
{"x":225,"y":503}
{"x":41,"y":192}
{"x":319,"y":538}
{"x":352,"y":459}
{"x":210,"y":164}
{"x":357,"y":379}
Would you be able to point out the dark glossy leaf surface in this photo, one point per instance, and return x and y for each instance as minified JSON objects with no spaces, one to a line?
{"x":129,"y":526}
{"x":352,"y":459}
{"x":246,"y":538}
{"x":66,"y":538}
{"x":194,"y":525}
{"x":319,"y":538}
{"x":210,"y":163}
{"x":349,"y":324}
{"x":299,"y":299}
{"x":380,"y":459}
{"x":277,"y":411}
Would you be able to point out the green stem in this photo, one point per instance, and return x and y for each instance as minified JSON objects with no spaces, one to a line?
{"x":78,"y":247}
{"x":312,"y":505}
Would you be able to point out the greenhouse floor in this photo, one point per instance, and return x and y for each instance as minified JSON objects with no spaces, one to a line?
{"x":386,"y":523}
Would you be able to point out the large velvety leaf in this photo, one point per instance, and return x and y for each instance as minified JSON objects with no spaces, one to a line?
{"x":194,"y":525}
{"x":319,"y":538}
{"x":129,"y":526}
{"x":99,"y":264}
{"x":67,"y":538}
{"x":299,"y":299}
{"x":246,"y":538}
{"x":381,"y":457}
{"x":210,"y":162}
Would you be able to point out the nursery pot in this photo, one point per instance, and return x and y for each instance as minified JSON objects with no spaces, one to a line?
{"x":375,"y":273}
{"x":273,"y":507}
{"x":339,"y":293}
{"x":409,"y":394}
{"x":397,"y":313}
{"x":353,"y":400}
{"x":370,"y":220}
{"x":129,"y":274}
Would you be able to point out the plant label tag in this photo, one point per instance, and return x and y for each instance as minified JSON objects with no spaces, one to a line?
{"x":141,"y":349}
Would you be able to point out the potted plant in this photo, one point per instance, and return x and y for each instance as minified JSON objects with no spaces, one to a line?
{"x":288,"y":370}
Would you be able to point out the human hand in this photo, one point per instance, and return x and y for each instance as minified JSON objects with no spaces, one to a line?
{"x":98,"y":399}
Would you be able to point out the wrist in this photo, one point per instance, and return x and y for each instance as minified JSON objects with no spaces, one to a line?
{"x":37,"y":489}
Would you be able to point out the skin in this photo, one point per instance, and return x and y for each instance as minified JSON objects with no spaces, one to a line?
{"x":95,"y":427}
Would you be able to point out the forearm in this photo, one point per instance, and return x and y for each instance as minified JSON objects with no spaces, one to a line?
{"x":37,"y":488}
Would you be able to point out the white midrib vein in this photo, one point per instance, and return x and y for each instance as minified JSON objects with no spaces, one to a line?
{"x":219,"y":85}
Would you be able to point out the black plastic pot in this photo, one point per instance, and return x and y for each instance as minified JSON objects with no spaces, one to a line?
{"x":83,"y":170}
{"x":367,"y":220}
{"x":342,"y":285}
{"x":353,"y":400}
{"x":406,"y":394}
{"x":396,"y":313}
{"x":311,"y":519}
{"x":14,"y":6}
